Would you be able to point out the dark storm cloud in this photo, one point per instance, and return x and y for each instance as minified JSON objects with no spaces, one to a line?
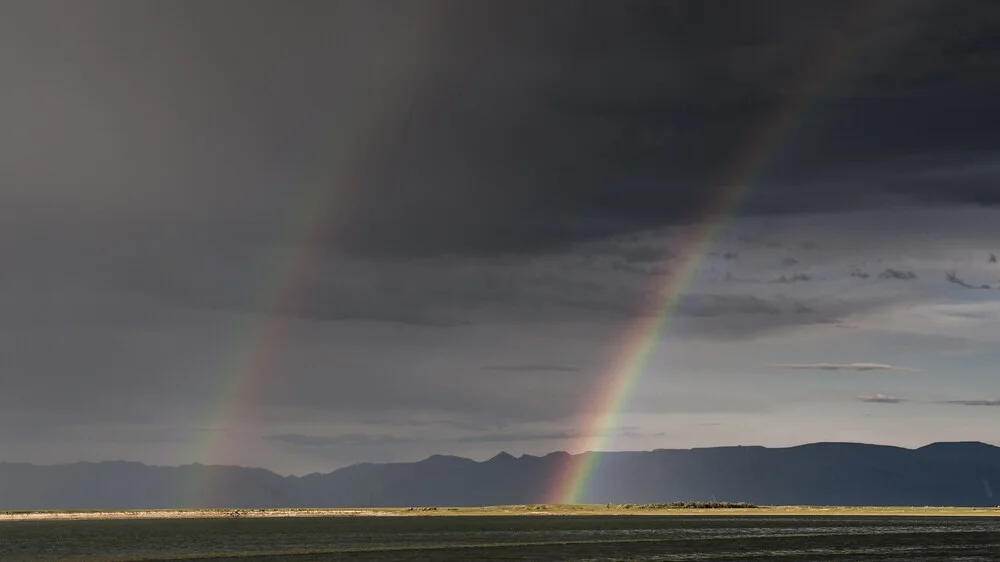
{"x":482,"y":127}
{"x":657,"y":144}
{"x":168,"y":150}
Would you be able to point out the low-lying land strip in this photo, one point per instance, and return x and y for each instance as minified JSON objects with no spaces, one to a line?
{"x":533,"y":509}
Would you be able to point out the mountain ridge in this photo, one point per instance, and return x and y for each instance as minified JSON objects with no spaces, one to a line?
{"x":825,"y":473}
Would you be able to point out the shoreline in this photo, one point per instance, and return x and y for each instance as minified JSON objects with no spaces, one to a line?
{"x":187,"y":514}
{"x":517,"y":510}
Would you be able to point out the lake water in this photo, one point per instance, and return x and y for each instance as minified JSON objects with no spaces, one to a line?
{"x":577,"y":538}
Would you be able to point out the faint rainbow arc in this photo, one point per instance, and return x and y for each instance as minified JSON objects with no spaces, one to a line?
{"x":615,"y":387}
{"x":237,"y":393}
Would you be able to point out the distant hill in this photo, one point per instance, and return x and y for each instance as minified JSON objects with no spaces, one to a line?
{"x":959,"y":474}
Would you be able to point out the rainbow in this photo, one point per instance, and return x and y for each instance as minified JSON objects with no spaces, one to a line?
{"x":615,"y":387}
{"x":246,"y":369}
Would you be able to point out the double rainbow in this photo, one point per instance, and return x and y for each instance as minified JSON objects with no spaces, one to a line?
{"x":246,"y":368}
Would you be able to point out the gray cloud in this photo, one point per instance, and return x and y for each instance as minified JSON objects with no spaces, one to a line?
{"x":840,"y":367}
{"x":794,"y":278}
{"x":533,"y":368}
{"x":952,"y":277}
{"x":457,"y":291}
{"x":352,"y":440}
{"x":478,"y":438}
{"x":366,"y":440}
{"x":520,"y":437}
{"x":891,"y":273}
{"x":980,"y":402}
{"x":879,"y":398}
{"x":702,"y":305}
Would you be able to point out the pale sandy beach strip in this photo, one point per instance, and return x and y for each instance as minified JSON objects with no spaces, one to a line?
{"x":189,"y":514}
{"x":562,"y":510}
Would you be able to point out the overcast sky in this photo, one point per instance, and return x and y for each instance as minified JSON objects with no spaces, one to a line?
{"x":299,"y":235}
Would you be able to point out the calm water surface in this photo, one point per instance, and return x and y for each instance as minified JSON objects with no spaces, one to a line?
{"x":644,"y":538}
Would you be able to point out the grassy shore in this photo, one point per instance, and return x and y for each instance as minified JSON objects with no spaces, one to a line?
{"x":500,"y":510}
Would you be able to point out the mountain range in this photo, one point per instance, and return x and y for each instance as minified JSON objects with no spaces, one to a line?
{"x":940,"y":474}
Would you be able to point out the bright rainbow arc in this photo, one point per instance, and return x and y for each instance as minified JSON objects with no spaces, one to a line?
{"x":616,"y":386}
{"x":247,"y":366}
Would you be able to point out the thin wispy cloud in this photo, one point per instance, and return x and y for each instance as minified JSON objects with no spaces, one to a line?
{"x":532,"y":368}
{"x":518,"y":437}
{"x":348,"y":440}
{"x":382,"y":440}
{"x":952,"y":277}
{"x":879,"y":398}
{"x":840,"y":367}
{"x":981,"y":402}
